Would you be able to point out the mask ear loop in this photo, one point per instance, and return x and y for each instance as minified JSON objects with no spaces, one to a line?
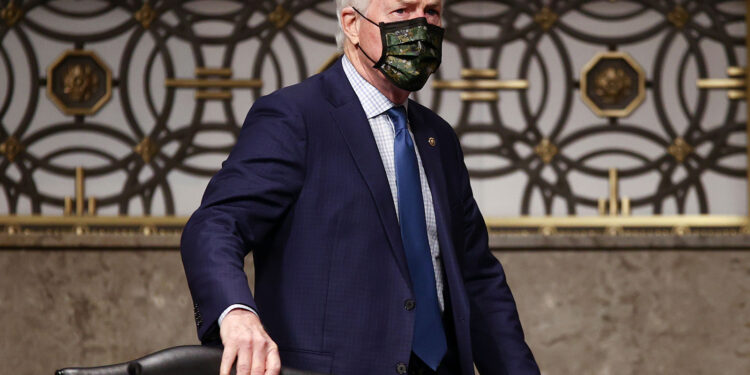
{"x":365,"y":17}
{"x":377,"y":63}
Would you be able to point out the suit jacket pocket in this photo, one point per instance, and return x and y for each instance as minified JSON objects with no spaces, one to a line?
{"x":308,"y":360}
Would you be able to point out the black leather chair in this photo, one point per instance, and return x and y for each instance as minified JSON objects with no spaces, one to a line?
{"x":179,"y":360}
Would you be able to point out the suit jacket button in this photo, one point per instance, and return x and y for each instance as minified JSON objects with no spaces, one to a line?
{"x":409,"y":304}
{"x":401,"y":368}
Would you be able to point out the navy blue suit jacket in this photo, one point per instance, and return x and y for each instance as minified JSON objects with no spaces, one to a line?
{"x":305,"y":190}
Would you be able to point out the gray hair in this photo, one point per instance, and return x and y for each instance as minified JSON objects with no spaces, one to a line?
{"x":361,"y":6}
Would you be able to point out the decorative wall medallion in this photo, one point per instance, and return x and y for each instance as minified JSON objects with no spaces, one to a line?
{"x":680,"y":149}
{"x":546,"y":18}
{"x":279,"y":17}
{"x":678,"y":16}
{"x":145,"y":15}
{"x":11,"y":13}
{"x":546,"y":150}
{"x":10,"y":148}
{"x":613,"y":84}
{"x":79,"y":83}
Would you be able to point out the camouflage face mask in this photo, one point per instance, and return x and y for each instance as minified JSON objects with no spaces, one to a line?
{"x":412,"y":50}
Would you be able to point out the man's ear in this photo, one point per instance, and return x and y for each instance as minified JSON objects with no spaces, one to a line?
{"x":349,"y":24}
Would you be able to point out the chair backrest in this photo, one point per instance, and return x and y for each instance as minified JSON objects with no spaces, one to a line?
{"x":179,"y":360}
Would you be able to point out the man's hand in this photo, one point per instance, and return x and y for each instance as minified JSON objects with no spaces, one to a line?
{"x":245,"y":339}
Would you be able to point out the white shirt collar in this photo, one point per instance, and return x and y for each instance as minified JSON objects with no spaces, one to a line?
{"x":373,"y":101}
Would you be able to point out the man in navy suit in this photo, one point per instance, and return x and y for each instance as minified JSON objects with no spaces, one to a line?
{"x":371,"y":255}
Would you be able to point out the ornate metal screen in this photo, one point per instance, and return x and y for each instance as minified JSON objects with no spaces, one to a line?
{"x":563,"y":107}
{"x":615,"y":60}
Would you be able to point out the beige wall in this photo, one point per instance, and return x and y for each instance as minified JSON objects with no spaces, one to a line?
{"x":619,"y":313}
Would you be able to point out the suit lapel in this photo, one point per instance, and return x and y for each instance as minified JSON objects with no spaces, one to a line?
{"x":353,"y":125}
{"x":433,"y":167}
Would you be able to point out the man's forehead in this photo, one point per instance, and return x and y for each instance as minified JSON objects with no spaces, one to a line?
{"x":412,"y":2}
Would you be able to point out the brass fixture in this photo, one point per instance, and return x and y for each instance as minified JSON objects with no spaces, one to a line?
{"x":614,"y":205}
{"x":213,"y":88}
{"x":480,"y":85}
{"x":279,"y":17}
{"x":10,"y":148}
{"x":145,"y":15}
{"x":80,"y":198}
{"x":736,"y":84}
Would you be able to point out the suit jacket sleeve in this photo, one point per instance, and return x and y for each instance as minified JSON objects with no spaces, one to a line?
{"x":242,"y":204}
{"x":498,"y":343}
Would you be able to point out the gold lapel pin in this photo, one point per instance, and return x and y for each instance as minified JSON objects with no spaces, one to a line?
{"x":431,"y":141}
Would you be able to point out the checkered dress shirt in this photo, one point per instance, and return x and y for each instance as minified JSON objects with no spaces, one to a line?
{"x":375,"y":105}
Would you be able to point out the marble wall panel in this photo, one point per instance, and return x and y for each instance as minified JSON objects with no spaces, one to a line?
{"x":593,"y":312}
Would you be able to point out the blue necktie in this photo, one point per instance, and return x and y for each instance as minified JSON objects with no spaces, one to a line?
{"x":429,"y":342}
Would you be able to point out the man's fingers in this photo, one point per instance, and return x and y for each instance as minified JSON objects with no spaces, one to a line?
{"x":258,"y":366}
{"x":247,"y":344}
{"x":273,"y":362}
{"x":244,"y":358}
{"x":227,"y":359}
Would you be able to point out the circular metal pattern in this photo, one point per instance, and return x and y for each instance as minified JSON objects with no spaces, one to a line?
{"x":151,"y":132}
